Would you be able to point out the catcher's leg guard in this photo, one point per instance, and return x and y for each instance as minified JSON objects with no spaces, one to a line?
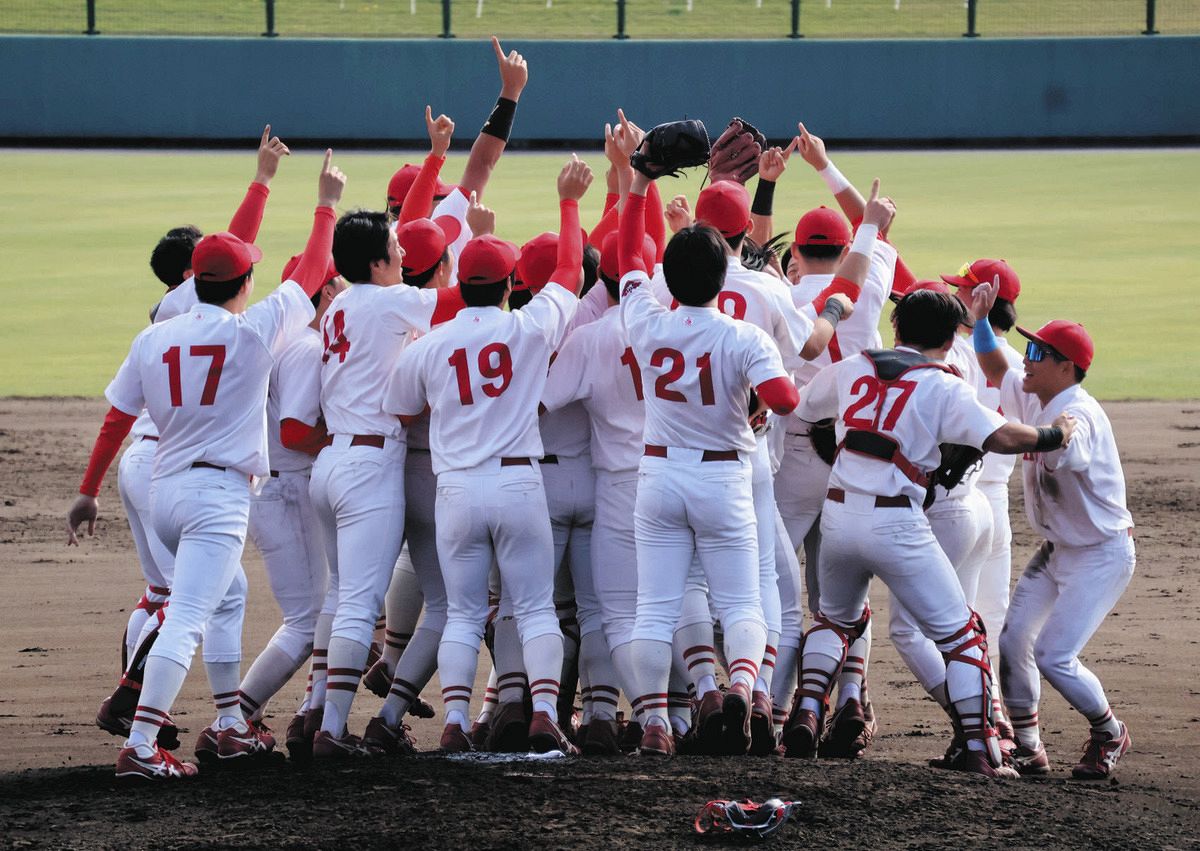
{"x":969,"y":686}
{"x":822,"y":654}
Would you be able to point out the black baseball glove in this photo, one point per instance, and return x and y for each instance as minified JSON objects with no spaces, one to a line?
{"x":672,"y":146}
{"x":957,"y":461}
{"x":824,"y":440}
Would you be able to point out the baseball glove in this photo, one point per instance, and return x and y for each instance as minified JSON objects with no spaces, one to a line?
{"x":957,"y":461}
{"x":735,"y":153}
{"x":672,"y":146}
{"x":824,"y":440}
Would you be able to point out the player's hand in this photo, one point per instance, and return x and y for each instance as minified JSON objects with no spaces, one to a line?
{"x":612,"y":182}
{"x":613,"y":151}
{"x":628,"y":135}
{"x":845,"y":301}
{"x":679,"y":214}
{"x":480,"y":219}
{"x":773,"y":161}
{"x":85,"y":508}
{"x":812,"y":149}
{"x":1066,"y":422}
{"x":440,"y":130}
{"x":879,"y":211}
{"x":983,"y":299}
{"x":270,"y":151}
{"x":514,"y":72}
{"x":331,"y":182}
{"x":574,"y":179}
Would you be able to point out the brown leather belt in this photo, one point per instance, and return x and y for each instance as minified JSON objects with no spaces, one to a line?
{"x":655,"y":451}
{"x":515,"y":462}
{"x":149,"y":437}
{"x":839,"y":495}
{"x":549,"y":459}
{"x":375,"y":440}
{"x":207,"y":466}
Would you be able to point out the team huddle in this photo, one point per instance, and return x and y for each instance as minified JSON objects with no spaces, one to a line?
{"x":601,"y":455}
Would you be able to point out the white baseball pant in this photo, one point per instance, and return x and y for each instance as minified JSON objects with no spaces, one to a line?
{"x":995,"y":575}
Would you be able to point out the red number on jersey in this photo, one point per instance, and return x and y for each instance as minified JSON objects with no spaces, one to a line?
{"x":732,"y":304}
{"x":339,"y":345}
{"x":876,"y":392}
{"x":635,"y":371}
{"x":216,"y":355}
{"x":501,"y":369}
{"x":662,"y":387}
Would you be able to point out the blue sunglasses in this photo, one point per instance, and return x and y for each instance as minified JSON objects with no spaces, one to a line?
{"x":1035,"y":352}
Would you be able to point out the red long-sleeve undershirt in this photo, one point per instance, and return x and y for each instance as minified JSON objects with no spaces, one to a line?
{"x":630,"y":236}
{"x":779,"y":394}
{"x":298,"y":435}
{"x":569,"y":271}
{"x":845,"y":286}
{"x":314,"y":263}
{"x":245,"y":222}
{"x":418,"y":203}
{"x":656,"y":222}
{"x":116,"y":426}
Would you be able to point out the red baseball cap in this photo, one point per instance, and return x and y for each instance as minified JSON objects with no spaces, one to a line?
{"x":925,"y":284}
{"x":822,"y":226}
{"x":402,"y":181}
{"x":725,"y":205}
{"x":223,"y":257}
{"x":331,"y":271}
{"x":610,"y":266}
{"x":984,"y":272}
{"x":1067,"y":338}
{"x":487,"y":260}
{"x":539,"y":259}
{"x":424,"y":242}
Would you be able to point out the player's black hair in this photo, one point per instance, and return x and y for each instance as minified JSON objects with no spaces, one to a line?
{"x":360,"y":239}
{"x":736,"y":241}
{"x":219,"y":292}
{"x":485,"y":295}
{"x":820,"y":252}
{"x":519,"y":298}
{"x":172,"y":256}
{"x":1080,"y":374}
{"x":928,"y":320}
{"x":423,"y":278}
{"x":591,"y":268}
{"x":694,"y":264}
{"x":612,"y":285}
{"x":1003,"y":314}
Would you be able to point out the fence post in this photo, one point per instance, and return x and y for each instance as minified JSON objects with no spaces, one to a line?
{"x":1150,"y":30}
{"x":621,"y":21}
{"x":270,"y":33}
{"x":971,"y":32}
{"x":91,"y":19}
{"x":795,"y":33}
{"x":446,"y":33}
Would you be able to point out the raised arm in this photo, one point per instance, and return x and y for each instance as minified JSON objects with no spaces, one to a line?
{"x":573,"y":181}
{"x":812,"y":150}
{"x":245,"y":222}
{"x":987,"y":349}
{"x":314,"y":263}
{"x":771,"y":166}
{"x":489,"y":145}
{"x":419,"y":201}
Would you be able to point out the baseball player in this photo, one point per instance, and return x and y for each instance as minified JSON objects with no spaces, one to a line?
{"x":1075,"y":499}
{"x":171,"y":261}
{"x":203,"y":378}
{"x":893,"y":409}
{"x":482,"y":375}
{"x":701,"y":366}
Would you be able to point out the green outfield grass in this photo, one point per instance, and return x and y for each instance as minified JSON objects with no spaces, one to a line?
{"x":1106,"y":238}
{"x":598,"y":18}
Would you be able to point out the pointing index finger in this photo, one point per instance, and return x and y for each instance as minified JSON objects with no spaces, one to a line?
{"x":874,"y":191}
{"x":266,"y":135}
{"x":328,"y":159}
{"x":499,"y":50}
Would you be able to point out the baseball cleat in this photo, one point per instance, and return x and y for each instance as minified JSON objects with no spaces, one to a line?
{"x":479,"y":733}
{"x":378,"y":679}
{"x":762,"y":729}
{"x":389,"y":741}
{"x":710,"y":722}
{"x":1030,"y":762}
{"x":243,"y":740}
{"x":954,"y":752}
{"x":976,"y":762}
{"x":207,"y":745}
{"x":117,"y":724}
{"x":736,"y":711}
{"x":510,"y":728}
{"x":1101,"y":754}
{"x":546,"y":735}
{"x":845,"y":735}
{"x":327,"y":746}
{"x":421,"y":708}
{"x":312,"y":722}
{"x":299,"y":745}
{"x":152,"y":763}
{"x":602,"y":739}
{"x":454,"y":740}
{"x":800,"y":736}
{"x":631,"y":737}
{"x":656,"y":741}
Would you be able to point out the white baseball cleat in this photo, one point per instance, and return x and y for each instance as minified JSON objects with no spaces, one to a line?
{"x":149,"y":762}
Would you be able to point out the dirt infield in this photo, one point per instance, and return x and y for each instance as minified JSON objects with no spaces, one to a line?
{"x":63,"y":612}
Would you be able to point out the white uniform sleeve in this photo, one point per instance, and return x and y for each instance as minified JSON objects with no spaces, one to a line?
{"x":638,"y":304}
{"x":880,"y":274}
{"x":299,"y":376}
{"x":404,"y":394}
{"x":792,"y":327}
{"x":591,"y":307}
{"x":1077,"y":457}
{"x":550,"y":311}
{"x":177,"y":301}
{"x":818,"y":398}
{"x":125,"y":392}
{"x":965,"y":419}
{"x":278,"y":317}
{"x":455,"y":205}
{"x":658,"y":287}
{"x":760,"y":356}
{"x":565,"y":383}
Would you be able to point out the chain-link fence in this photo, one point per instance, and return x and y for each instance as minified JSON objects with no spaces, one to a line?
{"x":582,"y":19}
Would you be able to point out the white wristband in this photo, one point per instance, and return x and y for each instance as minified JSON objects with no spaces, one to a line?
{"x":864,"y":240}
{"x":834,"y":179}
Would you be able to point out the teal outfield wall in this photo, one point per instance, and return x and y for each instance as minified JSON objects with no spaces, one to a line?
{"x":968,"y":89}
